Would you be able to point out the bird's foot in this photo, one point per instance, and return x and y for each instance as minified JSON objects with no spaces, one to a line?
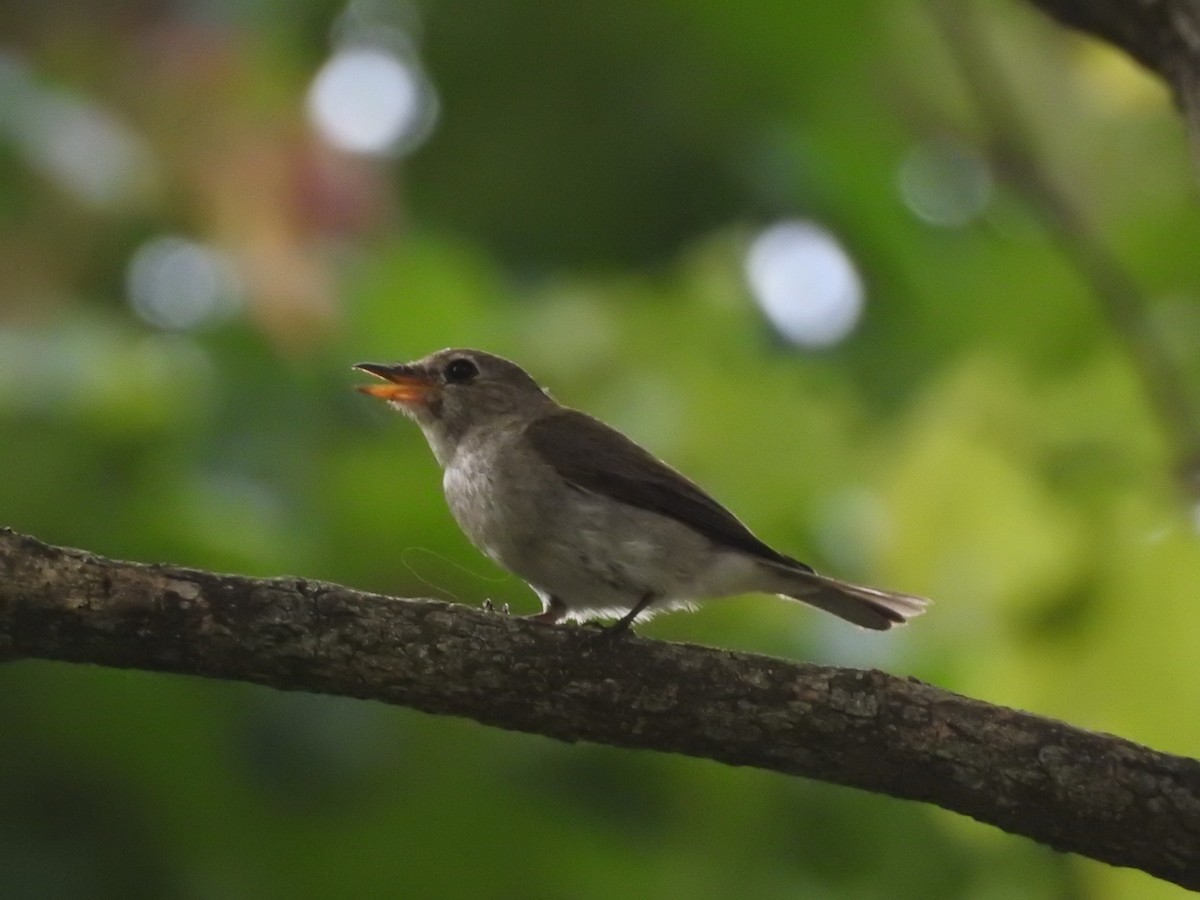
{"x":600,"y":635}
{"x":605,"y":635}
{"x":489,"y":607}
{"x":624,"y":625}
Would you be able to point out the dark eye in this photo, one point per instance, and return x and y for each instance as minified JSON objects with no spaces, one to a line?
{"x":460,"y":371}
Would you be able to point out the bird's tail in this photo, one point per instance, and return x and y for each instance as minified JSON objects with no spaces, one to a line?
{"x":865,"y":606}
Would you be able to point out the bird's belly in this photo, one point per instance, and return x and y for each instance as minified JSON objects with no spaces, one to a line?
{"x":602,"y":557}
{"x":489,"y":518}
{"x":595,"y":555}
{"x":605,"y":571}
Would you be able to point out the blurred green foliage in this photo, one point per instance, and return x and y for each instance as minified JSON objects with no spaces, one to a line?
{"x":583,"y":204}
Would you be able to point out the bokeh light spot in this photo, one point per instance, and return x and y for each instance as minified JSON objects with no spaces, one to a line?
{"x":805,"y":282}
{"x":176,"y":284}
{"x":945,"y":184}
{"x":370,"y":101}
{"x":77,"y":143}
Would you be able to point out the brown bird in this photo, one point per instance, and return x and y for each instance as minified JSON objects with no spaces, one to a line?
{"x":596,"y":525}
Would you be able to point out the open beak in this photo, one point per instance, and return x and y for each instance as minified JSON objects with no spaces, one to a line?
{"x":405,"y":384}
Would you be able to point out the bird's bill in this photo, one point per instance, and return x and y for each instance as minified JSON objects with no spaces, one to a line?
{"x":405,"y":384}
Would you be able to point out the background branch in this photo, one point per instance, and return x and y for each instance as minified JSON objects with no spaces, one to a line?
{"x":1162,"y":35}
{"x":1071,"y":789}
{"x":1014,"y":151}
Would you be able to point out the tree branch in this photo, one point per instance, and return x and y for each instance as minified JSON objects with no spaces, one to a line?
{"x":1071,"y":789}
{"x":1014,"y":152}
{"x":1162,"y":35}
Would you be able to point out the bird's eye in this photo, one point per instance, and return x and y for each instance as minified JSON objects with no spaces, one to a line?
{"x":460,"y":371}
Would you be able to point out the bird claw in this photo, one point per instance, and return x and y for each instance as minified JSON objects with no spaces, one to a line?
{"x":600,"y":635}
{"x":490,"y":607}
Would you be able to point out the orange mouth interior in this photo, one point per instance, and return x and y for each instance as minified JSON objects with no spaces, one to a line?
{"x":398,"y":392}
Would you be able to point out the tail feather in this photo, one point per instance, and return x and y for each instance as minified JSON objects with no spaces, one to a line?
{"x":864,"y":606}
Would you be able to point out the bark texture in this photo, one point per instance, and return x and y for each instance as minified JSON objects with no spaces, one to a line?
{"x":1074,"y":790}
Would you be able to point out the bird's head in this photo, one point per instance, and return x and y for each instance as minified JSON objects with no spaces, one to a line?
{"x":452,"y":393}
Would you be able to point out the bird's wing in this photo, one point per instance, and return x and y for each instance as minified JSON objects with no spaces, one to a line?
{"x":593,"y":457}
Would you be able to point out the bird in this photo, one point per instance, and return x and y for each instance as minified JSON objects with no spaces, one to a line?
{"x":596,"y":525}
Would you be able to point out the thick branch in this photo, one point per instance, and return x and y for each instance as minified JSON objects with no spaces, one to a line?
{"x":1074,"y":790}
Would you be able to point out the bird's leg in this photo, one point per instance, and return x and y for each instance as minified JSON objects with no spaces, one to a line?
{"x":489,"y":607}
{"x":625,"y":623}
{"x":554,"y":612}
